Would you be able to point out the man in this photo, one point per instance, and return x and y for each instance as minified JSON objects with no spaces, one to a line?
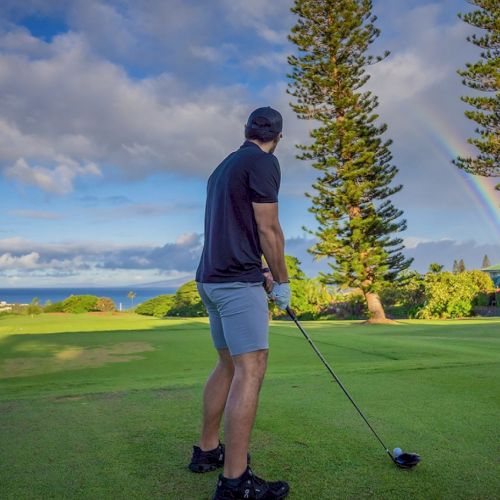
{"x":241,"y":225}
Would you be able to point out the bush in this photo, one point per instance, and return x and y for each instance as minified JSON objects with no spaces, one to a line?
{"x":33,"y":309}
{"x":449,"y":295}
{"x":80,"y":304}
{"x":158,"y":306}
{"x":405,"y":298}
{"x":350,"y":306}
{"x":188,"y":302}
{"x":105,"y":304}
{"x":483,"y":299}
{"x":53,"y":308}
{"x":310,"y":298}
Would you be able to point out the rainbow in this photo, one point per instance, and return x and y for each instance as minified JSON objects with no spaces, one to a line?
{"x":448,"y":145}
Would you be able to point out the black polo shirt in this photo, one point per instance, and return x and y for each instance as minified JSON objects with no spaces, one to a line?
{"x":232,"y":251}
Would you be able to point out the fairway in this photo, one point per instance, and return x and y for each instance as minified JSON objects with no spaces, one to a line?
{"x":108,"y":406}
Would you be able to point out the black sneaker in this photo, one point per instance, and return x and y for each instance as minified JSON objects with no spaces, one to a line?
{"x":206,"y":461}
{"x":251,"y":487}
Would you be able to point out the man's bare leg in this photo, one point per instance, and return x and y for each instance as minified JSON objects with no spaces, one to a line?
{"x":214,"y":400}
{"x":241,"y":407}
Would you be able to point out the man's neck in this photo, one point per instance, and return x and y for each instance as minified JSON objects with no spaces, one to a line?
{"x":265,"y":146}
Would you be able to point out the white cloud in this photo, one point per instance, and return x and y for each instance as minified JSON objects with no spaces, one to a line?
{"x":413,"y":241}
{"x":275,"y":61}
{"x":258,"y":16}
{"x":20,"y":41}
{"x":20,"y":255}
{"x":187,"y":239}
{"x":28,"y":261}
{"x":84,"y":109}
{"x":207,"y":53}
{"x":424,"y":58}
{"x":402,"y":76}
{"x":58,"y":180}
{"x":98,"y":262}
{"x":111,"y":31}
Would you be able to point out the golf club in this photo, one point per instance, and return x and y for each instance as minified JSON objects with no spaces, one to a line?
{"x":400,"y":458}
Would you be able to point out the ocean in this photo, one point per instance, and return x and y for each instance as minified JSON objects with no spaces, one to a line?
{"x":118,"y":295}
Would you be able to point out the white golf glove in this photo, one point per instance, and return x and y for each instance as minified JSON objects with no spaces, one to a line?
{"x":281,"y":294}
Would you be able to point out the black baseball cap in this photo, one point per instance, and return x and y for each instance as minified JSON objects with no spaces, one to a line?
{"x":265,"y":120}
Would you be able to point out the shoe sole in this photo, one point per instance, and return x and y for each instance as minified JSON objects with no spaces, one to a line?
{"x":201,"y":468}
{"x":277,"y":498}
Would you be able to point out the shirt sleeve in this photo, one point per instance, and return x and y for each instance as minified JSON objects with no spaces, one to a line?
{"x":264,"y":179}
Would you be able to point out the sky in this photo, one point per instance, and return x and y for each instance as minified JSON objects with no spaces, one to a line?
{"x":114,"y":113}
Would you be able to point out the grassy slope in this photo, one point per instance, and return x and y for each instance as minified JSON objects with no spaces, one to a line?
{"x":124,"y":429}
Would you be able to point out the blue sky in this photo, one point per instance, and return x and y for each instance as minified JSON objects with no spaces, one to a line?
{"x":113,"y":114}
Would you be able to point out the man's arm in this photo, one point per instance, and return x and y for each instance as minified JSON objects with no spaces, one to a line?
{"x":271,"y":238}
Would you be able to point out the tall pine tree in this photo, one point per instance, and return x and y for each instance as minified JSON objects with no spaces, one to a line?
{"x":486,"y":262}
{"x":356,"y":219}
{"x":461,"y":266}
{"x":484,"y":76}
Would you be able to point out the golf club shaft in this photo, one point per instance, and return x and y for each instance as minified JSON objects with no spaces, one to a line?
{"x":328,"y":367}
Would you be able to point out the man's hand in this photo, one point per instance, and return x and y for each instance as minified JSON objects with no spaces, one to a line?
{"x":268,"y":285}
{"x":281,"y":294}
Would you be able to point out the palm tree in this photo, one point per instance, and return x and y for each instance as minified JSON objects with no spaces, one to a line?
{"x":435,"y":267}
{"x":131,"y":296}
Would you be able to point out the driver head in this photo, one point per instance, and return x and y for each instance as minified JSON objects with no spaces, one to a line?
{"x":407,"y":460}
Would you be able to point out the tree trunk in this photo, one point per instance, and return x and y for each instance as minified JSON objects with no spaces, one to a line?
{"x":376,"y":310}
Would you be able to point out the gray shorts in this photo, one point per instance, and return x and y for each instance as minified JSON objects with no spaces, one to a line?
{"x":238,"y":315}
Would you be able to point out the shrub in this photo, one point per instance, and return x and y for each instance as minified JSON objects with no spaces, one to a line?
{"x":33,"y":309}
{"x":80,"y":303}
{"x":188,"y":302}
{"x":105,"y":304}
{"x":405,"y":298}
{"x":449,"y":295}
{"x":483,"y":299}
{"x":55,"y":307}
{"x":158,"y":306}
{"x":310,"y":298}
{"x":354,"y":306}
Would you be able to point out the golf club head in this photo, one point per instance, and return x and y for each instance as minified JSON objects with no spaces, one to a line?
{"x":407,"y":460}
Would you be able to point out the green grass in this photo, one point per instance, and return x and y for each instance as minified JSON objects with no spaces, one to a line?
{"x":109,"y":406}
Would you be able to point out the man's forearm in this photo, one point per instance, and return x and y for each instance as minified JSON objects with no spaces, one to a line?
{"x":272,"y":243}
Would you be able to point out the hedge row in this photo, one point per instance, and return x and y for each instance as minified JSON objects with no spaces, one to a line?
{"x":185,"y":302}
{"x":80,"y":304}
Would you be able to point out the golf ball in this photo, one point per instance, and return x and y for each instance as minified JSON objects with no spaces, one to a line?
{"x":397,"y":452}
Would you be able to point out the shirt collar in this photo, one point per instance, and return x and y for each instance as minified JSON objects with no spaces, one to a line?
{"x":249,"y":144}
